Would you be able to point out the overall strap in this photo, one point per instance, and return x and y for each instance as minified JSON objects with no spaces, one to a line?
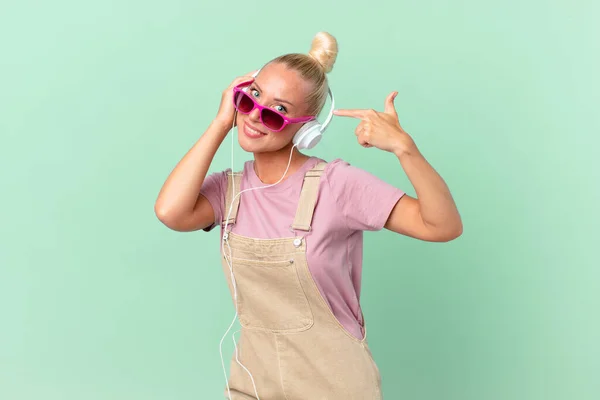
{"x":234,"y":181}
{"x":308,"y":198}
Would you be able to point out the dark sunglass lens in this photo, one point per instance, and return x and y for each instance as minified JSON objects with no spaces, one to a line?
{"x":272,"y":120}
{"x":244,"y":102}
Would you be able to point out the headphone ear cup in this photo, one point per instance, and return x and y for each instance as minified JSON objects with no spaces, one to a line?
{"x":308,"y":135}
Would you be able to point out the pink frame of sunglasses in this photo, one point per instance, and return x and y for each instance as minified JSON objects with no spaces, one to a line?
{"x":262,"y":109}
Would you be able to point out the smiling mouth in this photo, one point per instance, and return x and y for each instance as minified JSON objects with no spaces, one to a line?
{"x":252,"y":131}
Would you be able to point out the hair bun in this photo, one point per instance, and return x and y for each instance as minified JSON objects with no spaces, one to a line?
{"x":324,"y":49}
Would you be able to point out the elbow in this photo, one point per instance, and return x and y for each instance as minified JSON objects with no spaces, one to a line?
{"x":446,"y":232}
{"x":165,"y":215}
{"x":175,"y":220}
{"x":451,"y":233}
{"x":161,"y":213}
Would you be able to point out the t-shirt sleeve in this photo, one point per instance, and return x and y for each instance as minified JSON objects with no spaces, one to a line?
{"x":214,"y":189}
{"x":364,"y":200}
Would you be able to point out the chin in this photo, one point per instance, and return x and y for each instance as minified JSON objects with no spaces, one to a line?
{"x":249,"y":147}
{"x":252,"y":146}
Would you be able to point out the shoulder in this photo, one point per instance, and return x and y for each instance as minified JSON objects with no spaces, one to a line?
{"x":352,"y":184}
{"x":344,"y":180}
{"x":364,"y":200}
{"x":218,"y":178}
{"x":338,"y":164}
{"x":222,"y":175}
{"x":340,"y":171}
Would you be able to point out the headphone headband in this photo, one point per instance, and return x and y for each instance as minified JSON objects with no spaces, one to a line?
{"x":330,"y":115}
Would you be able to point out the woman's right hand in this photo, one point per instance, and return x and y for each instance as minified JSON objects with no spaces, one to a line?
{"x":226,"y":109}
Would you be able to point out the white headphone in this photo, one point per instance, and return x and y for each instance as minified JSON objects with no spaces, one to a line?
{"x":311,"y":132}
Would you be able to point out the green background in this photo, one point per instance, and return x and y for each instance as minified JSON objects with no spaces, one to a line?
{"x":99,"y":100}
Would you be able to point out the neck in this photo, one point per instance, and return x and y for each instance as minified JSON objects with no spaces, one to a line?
{"x":270,"y":166}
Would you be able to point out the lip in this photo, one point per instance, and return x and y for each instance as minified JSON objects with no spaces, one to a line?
{"x":252,"y":135}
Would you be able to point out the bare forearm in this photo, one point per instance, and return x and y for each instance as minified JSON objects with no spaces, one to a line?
{"x":180,"y":191}
{"x":436,"y":204}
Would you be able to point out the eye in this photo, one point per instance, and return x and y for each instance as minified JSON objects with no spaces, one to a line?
{"x":254,"y":92}
{"x":281,"y":109}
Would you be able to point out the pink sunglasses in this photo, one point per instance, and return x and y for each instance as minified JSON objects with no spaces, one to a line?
{"x":269,"y":117}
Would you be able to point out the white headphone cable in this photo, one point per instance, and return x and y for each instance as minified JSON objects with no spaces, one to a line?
{"x":223,"y":241}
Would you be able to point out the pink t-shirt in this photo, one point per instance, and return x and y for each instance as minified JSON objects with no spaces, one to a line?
{"x":350,"y":201}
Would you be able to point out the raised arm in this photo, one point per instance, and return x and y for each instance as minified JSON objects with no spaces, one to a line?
{"x":432,"y":215}
{"x":179,"y":205}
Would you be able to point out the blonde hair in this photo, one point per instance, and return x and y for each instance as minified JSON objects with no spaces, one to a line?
{"x":314,"y":67}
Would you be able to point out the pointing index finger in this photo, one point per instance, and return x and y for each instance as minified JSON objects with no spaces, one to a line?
{"x":354,"y":113}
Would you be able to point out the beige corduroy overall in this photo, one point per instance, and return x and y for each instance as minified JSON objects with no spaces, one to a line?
{"x":290,"y":340}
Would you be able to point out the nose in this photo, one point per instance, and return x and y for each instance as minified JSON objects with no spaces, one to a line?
{"x":255,"y":115}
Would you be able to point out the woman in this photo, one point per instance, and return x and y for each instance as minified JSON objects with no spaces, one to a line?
{"x":295,"y":248}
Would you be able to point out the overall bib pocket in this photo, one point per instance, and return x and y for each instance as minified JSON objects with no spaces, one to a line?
{"x":270,"y":296}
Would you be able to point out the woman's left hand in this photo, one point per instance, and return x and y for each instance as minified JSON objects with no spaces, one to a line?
{"x":381,"y":129}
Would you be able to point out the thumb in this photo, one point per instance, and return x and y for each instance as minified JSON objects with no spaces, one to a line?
{"x":389,"y":104}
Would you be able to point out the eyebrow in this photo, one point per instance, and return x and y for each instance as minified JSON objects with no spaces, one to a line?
{"x":280,"y":100}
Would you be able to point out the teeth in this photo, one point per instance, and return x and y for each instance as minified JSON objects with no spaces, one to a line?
{"x":253,"y":131}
